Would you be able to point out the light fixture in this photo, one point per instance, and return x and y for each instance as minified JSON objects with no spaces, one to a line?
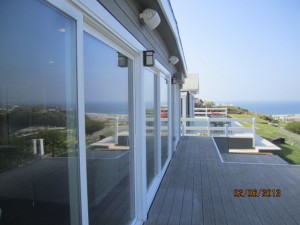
{"x":179,"y":77}
{"x":150,"y":18}
{"x":174,"y":80}
{"x":122,"y":60}
{"x":173,"y":60}
{"x":149,"y":58}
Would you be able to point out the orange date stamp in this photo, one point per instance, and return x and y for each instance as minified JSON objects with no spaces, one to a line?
{"x":264,"y":193}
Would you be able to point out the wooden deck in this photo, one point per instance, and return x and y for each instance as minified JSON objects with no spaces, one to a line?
{"x":37,"y":193}
{"x":252,"y":158}
{"x":198,"y":188}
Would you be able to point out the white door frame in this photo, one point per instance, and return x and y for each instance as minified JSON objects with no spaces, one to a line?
{"x":93,"y":18}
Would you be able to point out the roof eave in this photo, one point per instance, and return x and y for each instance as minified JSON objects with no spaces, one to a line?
{"x":170,"y":17}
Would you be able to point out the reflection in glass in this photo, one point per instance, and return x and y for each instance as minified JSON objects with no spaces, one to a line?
{"x":38,"y":115}
{"x":150,"y":126}
{"x":164,"y":110}
{"x":107,"y":133}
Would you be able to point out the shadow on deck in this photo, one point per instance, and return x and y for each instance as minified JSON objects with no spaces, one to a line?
{"x":198,"y":188}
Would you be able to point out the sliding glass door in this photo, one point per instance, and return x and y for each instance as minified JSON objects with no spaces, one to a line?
{"x":164,"y":120}
{"x":39,"y":164}
{"x":107,"y":75}
{"x":151,"y":129}
{"x":156,"y":95}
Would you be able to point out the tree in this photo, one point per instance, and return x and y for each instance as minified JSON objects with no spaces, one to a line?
{"x":208,"y":104}
{"x":54,"y":140}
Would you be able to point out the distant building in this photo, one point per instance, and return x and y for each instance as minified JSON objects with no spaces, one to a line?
{"x":189,"y":89}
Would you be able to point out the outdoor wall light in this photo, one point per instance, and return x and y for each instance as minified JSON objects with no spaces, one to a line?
{"x":122,"y":60}
{"x":174,"y":80}
{"x":149,"y":58}
{"x":150,"y":18}
{"x":173,"y":60}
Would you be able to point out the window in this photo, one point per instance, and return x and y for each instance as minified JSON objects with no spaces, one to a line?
{"x":151,"y":138}
{"x":38,"y":115}
{"x":164,"y":118}
{"x":108,"y":138}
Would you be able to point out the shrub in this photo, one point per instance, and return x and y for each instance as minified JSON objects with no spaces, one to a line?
{"x":293,"y":127}
{"x":92,"y":126}
{"x":265,"y":117}
{"x":236,"y":110}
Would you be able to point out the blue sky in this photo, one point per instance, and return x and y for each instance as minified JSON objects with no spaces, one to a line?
{"x":242,"y":49}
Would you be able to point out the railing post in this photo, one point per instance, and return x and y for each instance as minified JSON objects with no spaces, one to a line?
{"x":254,"y":131}
{"x":226,"y":130}
{"x":181,"y":128}
{"x":117,"y":130}
{"x":38,"y":146}
{"x":41,"y":146}
{"x":208,"y":126}
{"x":34,"y":146}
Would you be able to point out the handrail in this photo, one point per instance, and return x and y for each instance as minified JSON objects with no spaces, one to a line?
{"x":218,"y":119}
{"x":210,"y":111}
{"x":226,"y":127}
{"x":204,"y":126}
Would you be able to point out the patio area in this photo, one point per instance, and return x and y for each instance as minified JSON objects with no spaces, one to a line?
{"x":200,"y":187}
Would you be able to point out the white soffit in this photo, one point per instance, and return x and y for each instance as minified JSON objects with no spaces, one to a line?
{"x":167,"y":10}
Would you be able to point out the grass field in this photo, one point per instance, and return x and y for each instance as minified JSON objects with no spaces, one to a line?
{"x":290,"y":151}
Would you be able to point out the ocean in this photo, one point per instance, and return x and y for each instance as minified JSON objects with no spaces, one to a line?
{"x":270,"y":107}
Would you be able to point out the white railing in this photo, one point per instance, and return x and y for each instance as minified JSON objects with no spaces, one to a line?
{"x":210,"y":112}
{"x":199,"y":126}
{"x":226,"y":127}
{"x":163,"y":126}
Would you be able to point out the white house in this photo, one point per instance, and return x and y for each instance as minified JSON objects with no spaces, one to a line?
{"x":88,"y":119}
{"x":189,"y":89}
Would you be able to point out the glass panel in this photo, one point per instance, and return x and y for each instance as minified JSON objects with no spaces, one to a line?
{"x":150,"y":126}
{"x":164,"y":110}
{"x":107,"y":75}
{"x":38,"y":115}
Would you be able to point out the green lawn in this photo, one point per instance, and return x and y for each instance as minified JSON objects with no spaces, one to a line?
{"x":289,"y":152}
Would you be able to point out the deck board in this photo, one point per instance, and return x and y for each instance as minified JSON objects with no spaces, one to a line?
{"x":198,"y":188}
{"x":252,"y":158}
